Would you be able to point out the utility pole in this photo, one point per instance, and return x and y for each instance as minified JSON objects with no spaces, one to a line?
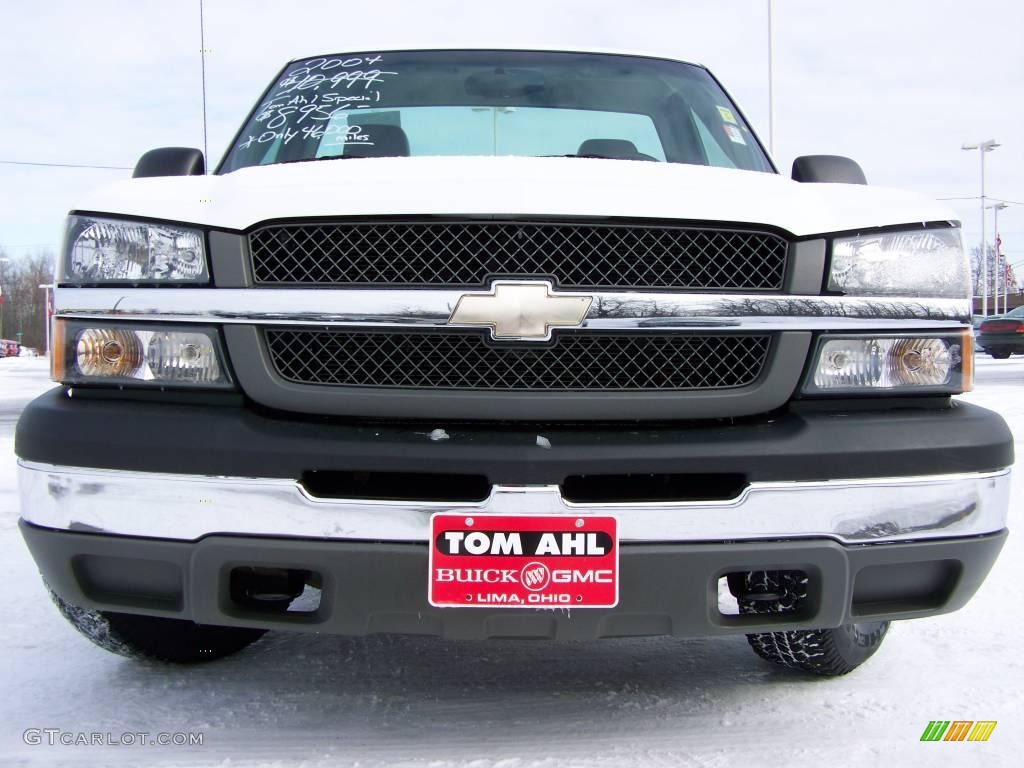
{"x":983,"y":147}
{"x":771,"y":82}
{"x":202,"y":51}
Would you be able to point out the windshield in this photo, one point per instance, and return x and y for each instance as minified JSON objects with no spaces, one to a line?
{"x":496,"y":103}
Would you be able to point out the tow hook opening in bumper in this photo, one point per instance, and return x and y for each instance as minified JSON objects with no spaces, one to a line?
{"x":275,"y":591}
{"x":877,"y":589}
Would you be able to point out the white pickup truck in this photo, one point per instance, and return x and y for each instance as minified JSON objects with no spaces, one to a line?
{"x":508,"y":343}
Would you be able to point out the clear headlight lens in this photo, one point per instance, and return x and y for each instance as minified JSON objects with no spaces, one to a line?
{"x":112,"y":251}
{"x":921,"y":263}
{"x":908,"y":363}
{"x":163,"y":357}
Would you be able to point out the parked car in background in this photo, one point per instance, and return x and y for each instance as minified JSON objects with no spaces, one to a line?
{"x":8,"y":348}
{"x":976,"y":321}
{"x":1004,"y":335}
{"x":28,"y":352}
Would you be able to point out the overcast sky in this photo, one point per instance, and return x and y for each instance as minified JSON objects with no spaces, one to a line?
{"x":898,"y":85}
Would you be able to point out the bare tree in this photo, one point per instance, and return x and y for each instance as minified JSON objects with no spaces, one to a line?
{"x":24,"y":305}
{"x":997,"y":268}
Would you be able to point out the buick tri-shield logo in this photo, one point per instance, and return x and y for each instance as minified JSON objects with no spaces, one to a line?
{"x":521,"y":310}
{"x":534,"y":576}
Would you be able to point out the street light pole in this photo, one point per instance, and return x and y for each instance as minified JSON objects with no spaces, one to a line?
{"x":983,"y":147}
{"x":771,"y":82}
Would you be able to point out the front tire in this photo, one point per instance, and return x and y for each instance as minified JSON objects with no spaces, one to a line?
{"x":824,"y":652}
{"x":156,"y":637}
{"x":1000,"y":354}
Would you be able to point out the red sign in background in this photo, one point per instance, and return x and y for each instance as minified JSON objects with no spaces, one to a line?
{"x":523,"y":561}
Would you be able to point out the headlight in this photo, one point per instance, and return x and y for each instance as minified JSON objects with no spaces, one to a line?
{"x":923,"y":263}
{"x":112,"y":251}
{"x":91,"y":353}
{"x":940,"y":363}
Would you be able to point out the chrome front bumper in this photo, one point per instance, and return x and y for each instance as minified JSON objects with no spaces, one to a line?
{"x":188,"y":507}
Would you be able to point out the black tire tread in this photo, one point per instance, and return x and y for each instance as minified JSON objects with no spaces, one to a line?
{"x":156,"y":637}
{"x":811,"y":650}
{"x":816,"y":651}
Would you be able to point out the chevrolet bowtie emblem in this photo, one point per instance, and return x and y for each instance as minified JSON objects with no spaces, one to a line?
{"x":521,"y":310}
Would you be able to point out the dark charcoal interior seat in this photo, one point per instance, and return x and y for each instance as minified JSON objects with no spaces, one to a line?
{"x":617,"y":149}
{"x":383,"y":141}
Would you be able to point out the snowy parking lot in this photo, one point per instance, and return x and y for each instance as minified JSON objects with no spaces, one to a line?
{"x":299,"y":699}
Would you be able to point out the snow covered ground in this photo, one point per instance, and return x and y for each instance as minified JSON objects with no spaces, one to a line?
{"x":297,"y":699}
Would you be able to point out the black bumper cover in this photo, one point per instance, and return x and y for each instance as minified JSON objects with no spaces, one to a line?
{"x":235,"y":440}
{"x":374,"y":587}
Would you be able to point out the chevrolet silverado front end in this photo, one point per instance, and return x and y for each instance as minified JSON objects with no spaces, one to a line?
{"x":454,"y":339}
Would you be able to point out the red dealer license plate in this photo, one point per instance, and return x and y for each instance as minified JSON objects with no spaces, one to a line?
{"x":522,"y":561}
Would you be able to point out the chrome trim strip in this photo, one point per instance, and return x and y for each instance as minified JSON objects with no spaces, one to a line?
{"x":186,"y":507}
{"x":433,"y":308}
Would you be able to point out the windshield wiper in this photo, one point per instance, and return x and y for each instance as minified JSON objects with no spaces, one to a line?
{"x":312,"y":159}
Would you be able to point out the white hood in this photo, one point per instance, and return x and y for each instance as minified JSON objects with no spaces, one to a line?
{"x":512,"y":185}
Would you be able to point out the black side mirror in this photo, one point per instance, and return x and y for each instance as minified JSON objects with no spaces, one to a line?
{"x":820,"y":169}
{"x":170,"y":161}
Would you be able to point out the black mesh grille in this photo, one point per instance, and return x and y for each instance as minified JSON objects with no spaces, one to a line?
{"x":468,"y":360}
{"x":469,"y":254}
